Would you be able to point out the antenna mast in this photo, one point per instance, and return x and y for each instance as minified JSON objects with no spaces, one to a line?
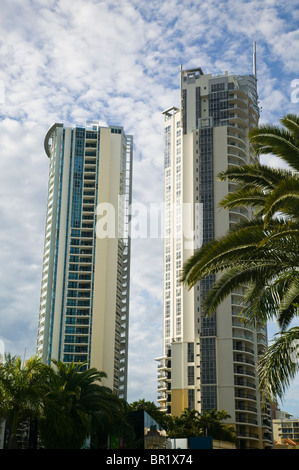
{"x":254,"y":59}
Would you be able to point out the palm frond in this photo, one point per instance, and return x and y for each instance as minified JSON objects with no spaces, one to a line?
{"x":279,"y":364}
{"x":222,"y":253}
{"x":245,"y":197}
{"x":242,"y":275}
{"x":291,"y":122}
{"x":263,"y":299}
{"x":288,"y":307}
{"x":268,"y":139}
{"x":255,"y":176}
{"x":284,"y":199}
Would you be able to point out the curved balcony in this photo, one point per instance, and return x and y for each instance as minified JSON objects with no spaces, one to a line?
{"x":242,"y":370}
{"x":234,"y":128}
{"x":242,"y":335}
{"x":243,"y":407}
{"x":237,"y":216}
{"x":237,"y":322}
{"x":239,"y":358}
{"x":235,"y":159}
{"x":237,"y":119}
{"x":162,"y":398}
{"x":234,"y":134}
{"x":261,"y":333}
{"x":236,"y":149}
{"x":237,"y":299}
{"x":238,"y":97}
{"x":245,"y":383}
{"x":164,"y":364}
{"x":247,"y":435}
{"x":245,"y":395}
{"x":162,"y":387}
{"x":241,"y":346}
{"x":241,"y":212}
{"x":253,"y":115}
{"x":239,"y":109}
{"x":241,"y":418}
{"x":162,"y":377}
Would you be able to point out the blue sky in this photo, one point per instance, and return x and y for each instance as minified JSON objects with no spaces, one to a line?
{"x":117,"y":62}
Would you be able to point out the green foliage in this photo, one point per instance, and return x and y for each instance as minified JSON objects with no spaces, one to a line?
{"x":210,"y":423}
{"x":21,"y":389}
{"x":75,"y":400}
{"x":279,"y":365}
{"x":69,"y":401}
{"x":191,"y":423}
{"x":71,"y":405}
{"x":161,"y":418}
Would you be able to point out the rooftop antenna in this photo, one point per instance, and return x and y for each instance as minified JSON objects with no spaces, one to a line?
{"x":181,"y":96}
{"x":254,"y":58}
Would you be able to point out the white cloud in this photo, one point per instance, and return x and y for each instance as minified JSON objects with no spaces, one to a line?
{"x":118,"y":62}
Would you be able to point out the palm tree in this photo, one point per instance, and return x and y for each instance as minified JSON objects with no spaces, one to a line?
{"x":21,"y":389}
{"x":75,"y":398}
{"x":186,"y":425}
{"x":210,"y":423}
{"x":116,"y":427}
{"x":262,"y":253}
{"x":152,"y":409}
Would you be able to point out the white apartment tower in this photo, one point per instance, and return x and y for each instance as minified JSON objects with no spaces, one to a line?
{"x":207,"y":363}
{"x":84,"y":304}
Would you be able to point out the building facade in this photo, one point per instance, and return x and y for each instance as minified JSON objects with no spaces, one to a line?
{"x":207,"y":363}
{"x":84,"y":303}
{"x":286,"y":429}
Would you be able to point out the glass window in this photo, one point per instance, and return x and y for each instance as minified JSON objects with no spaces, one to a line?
{"x":190,"y":375}
{"x":190,"y":352}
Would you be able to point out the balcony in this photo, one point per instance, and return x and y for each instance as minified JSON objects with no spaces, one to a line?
{"x":90,"y":136}
{"x":90,"y":176}
{"x":240,"y":107}
{"x":240,"y":346}
{"x":236,"y":216}
{"x":234,"y":128}
{"x":242,"y":418}
{"x":238,"y":100}
{"x":244,"y":395}
{"x":89,"y":145}
{"x":243,"y":360}
{"x":162,"y":388}
{"x":241,"y":382}
{"x":237,"y":119}
{"x":247,"y":435}
{"x":89,"y":185}
{"x":236,"y":143}
{"x":242,"y":335}
{"x":240,"y":370}
{"x":235,"y":159}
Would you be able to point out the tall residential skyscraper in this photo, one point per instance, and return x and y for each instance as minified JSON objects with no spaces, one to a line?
{"x":84,"y":305}
{"x":207,"y":362}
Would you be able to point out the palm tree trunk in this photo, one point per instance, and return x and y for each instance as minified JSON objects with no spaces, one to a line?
{"x":12,"y":442}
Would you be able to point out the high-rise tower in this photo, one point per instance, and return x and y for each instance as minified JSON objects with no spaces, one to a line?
{"x":207,"y":363}
{"x":84,"y":305}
